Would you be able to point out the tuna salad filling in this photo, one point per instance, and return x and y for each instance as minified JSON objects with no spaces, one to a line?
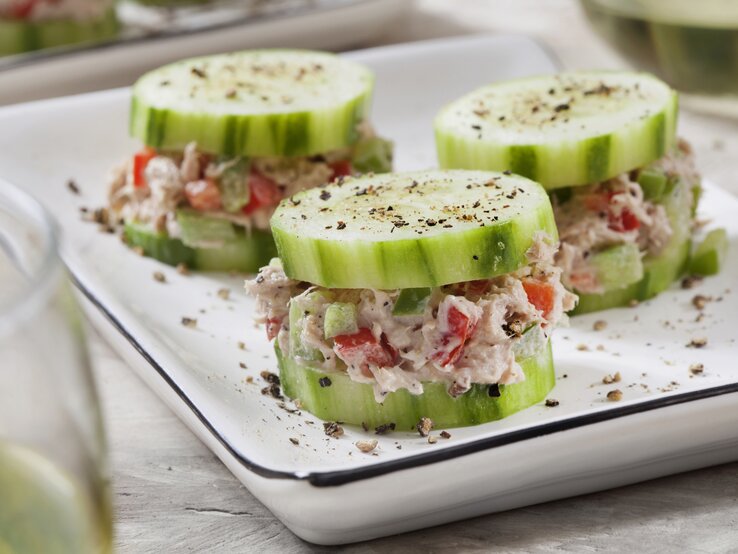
{"x":460,"y":334}
{"x":627,"y":210}
{"x":153,"y":185}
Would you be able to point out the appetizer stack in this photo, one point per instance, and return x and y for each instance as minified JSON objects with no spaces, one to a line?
{"x":427,"y":294}
{"x":27,"y":25}
{"x":430,"y":294}
{"x":226,"y":138}
{"x":604,"y":144}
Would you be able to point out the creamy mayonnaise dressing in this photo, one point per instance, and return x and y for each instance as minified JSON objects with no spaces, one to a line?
{"x":498,"y":317}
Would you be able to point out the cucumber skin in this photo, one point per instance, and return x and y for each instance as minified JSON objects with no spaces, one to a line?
{"x":412,"y":263}
{"x":431,"y":261}
{"x":17,"y":37}
{"x":597,"y":159}
{"x":247,"y":253}
{"x":353,"y":403}
{"x":272,"y":134}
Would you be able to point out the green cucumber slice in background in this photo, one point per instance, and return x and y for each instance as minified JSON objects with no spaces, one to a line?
{"x":709,"y":255}
{"x":253,"y":103}
{"x":560,"y":130}
{"x":353,"y":403}
{"x":247,"y":252}
{"x":340,"y":319}
{"x":17,"y":36}
{"x":410,"y":230}
{"x":618,"y":266}
{"x":659,"y":272}
{"x":411,"y":301}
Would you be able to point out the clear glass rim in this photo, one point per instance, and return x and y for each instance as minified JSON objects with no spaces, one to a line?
{"x":36,"y":288}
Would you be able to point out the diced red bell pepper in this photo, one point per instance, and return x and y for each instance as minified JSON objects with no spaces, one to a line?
{"x":460,"y":329}
{"x":23,"y":9}
{"x":140,"y":160}
{"x":623,"y":221}
{"x":203,"y":195}
{"x":273,"y":326}
{"x":362,"y":349}
{"x":264,"y":193}
{"x":341,"y":168}
{"x":540,"y":294}
{"x":626,"y":221}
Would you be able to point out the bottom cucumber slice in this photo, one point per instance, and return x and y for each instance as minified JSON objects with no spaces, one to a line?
{"x":341,"y":399}
{"x":247,"y":252}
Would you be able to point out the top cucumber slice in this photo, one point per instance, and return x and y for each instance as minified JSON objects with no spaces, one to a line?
{"x":253,"y":103}
{"x":560,"y":130}
{"x":411,"y":230}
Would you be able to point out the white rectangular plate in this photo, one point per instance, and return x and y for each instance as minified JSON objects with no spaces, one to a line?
{"x":324,"y":489}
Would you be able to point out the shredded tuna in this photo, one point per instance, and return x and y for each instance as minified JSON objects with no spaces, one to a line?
{"x":615,"y":212}
{"x":180,"y":179}
{"x":462,"y":337}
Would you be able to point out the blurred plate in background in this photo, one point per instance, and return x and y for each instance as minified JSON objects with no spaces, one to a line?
{"x":153,"y":36}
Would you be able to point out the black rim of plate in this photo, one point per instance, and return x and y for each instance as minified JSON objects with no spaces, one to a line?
{"x":342,"y":477}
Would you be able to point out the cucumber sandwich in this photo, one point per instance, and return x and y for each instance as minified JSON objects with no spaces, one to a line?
{"x":27,"y":25}
{"x":226,"y":138}
{"x":624,"y":188}
{"x":426,"y":294}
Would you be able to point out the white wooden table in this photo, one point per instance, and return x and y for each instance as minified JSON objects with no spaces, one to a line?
{"x":173,"y":495}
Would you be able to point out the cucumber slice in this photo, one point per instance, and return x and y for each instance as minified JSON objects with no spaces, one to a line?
{"x":560,"y":130}
{"x":340,"y":319}
{"x":253,"y":103}
{"x":618,"y":266}
{"x":353,"y":403}
{"x":709,"y":256}
{"x":410,"y":230}
{"x":411,"y":301}
{"x":17,"y":36}
{"x":247,"y":252}
{"x":159,"y":245}
{"x":200,"y":230}
{"x":373,"y":155}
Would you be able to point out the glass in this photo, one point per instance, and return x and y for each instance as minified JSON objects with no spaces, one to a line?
{"x":54,"y":487}
{"x":691,"y":45}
